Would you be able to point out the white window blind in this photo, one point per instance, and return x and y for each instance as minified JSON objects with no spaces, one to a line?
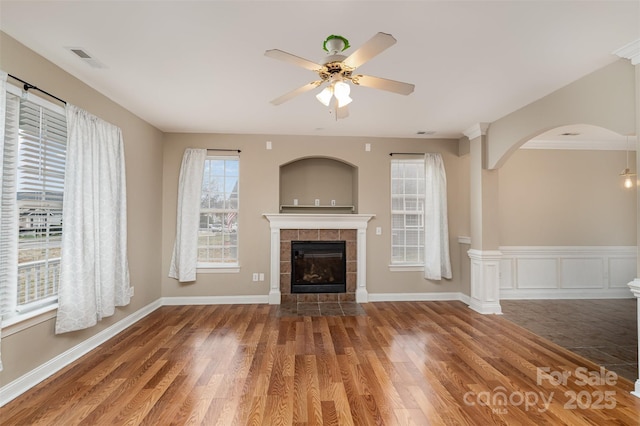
{"x":32,"y":195}
{"x":9,"y":210}
{"x":407,"y":211}
{"x":40,"y":189}
{"x":218,"y":233}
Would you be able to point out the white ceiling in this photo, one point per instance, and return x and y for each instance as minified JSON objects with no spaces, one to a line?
{"x":200,"y":67}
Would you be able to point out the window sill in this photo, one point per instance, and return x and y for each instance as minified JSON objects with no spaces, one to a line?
{"x":414,"y":267}
{"x":29,"y":319}
{"x":231,"y":269}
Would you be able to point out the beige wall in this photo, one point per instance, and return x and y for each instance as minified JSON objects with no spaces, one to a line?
{"x":566,"y":198}
{"x":259,"y":186}
{"x":26,"y":350}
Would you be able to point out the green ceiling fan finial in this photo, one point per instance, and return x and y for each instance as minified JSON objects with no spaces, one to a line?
{"x":344,"y":41}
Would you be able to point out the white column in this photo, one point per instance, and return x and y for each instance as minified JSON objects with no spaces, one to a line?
{"x":362,"y":296}
{"x":484,"y":227}
{"x":485,"y":281}
{"x":274,"y":291}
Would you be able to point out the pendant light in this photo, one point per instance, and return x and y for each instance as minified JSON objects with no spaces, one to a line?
{"x":626,"y":173}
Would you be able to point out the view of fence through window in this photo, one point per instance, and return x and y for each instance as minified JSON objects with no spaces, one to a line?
{"x":218,"y":233}
{"x":40,"y":188}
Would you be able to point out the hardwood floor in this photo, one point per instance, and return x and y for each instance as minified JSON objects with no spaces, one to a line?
{"x":398,"y":363}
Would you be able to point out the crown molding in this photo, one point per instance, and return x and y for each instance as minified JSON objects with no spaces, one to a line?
{"x":630,"y":51}
{"x":587,"y":145}
{"x":477,"y":130}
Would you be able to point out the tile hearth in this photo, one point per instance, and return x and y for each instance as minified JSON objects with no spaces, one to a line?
{"x":320,"y":309}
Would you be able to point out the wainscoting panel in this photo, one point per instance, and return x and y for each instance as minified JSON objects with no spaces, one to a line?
{"x":536,"y":273}
{"x":542,"y":272}
{"x":582,"y":272}
{"x":620,"y":269}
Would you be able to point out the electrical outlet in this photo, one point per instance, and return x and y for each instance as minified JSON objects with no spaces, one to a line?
{"x":378,"y":230}
{"x":269,"y":146}
{"x":261,"y":277}
{"x":255,"y":276}
{"x":131,"y":291}
{"x":367,"y":147}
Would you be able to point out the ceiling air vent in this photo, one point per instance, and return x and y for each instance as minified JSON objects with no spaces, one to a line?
{"x":86,"y":57}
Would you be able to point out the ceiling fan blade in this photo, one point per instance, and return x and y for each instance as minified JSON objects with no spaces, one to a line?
{"x":300,"y":90}
{"x":293,"y":59}
{"x":376,"y":45}
{"x":383,"y":84}
{"x":342,"y":112}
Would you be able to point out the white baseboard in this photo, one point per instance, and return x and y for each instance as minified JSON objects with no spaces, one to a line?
{"x":215,"y":300}
{"x":636,"y":391}
{"x":486,"y":308}
{"x":35,"y":376}
{"x":418,"y":297}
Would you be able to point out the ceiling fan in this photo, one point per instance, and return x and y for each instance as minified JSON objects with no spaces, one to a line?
{"x":338,"y":70}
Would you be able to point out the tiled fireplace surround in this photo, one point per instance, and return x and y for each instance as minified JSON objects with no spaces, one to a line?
{"x":351,"y":228}
{"x":346,"y":235}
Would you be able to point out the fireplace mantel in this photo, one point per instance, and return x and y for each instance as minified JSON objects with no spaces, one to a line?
{"x":358,"y":222}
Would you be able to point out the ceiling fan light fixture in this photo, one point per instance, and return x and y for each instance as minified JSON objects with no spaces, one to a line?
{"x":344,"y":101}
{"x":325,"y":96}
{"x":337,"y":71}
{"x":341,"y":90}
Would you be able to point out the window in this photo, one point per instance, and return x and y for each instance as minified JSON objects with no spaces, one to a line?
{"x":32,"y":196}
{"x":218,"y":233}
{"x":407,"y":211}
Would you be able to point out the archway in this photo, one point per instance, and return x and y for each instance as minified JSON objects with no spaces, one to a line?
{"x":567,"y":231}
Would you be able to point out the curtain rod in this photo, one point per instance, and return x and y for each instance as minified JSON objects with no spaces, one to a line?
{"x":227,"y":150}
{"x":406,"y":153}
{"x":28,"y":86}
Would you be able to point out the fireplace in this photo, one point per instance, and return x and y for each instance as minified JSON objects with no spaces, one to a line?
{"x":318,"y":267}
{"x":285,"y":228}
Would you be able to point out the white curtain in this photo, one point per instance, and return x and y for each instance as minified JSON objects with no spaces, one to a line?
{"x":437,"y":263}
{"x":185,"y":250}
{"x":94,"y":270}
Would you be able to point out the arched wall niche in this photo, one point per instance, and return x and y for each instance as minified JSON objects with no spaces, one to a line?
{"x":331,"y":181}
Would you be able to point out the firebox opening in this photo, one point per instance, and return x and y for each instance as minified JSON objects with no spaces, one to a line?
{"x":318,"y":267}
